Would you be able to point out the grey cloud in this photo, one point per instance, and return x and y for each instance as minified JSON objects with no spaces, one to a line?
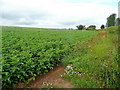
{"x":26,"y":22}
{"x":69,"y":23}
{"x":9,"y":16}
{"x":29,"y":17}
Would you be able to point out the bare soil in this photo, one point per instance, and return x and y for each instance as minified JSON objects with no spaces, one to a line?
{"x":53,"y":76}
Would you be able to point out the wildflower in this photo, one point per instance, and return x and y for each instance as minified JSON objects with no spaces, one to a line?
{"x":51,"y":67}
{"x":69,"y":67}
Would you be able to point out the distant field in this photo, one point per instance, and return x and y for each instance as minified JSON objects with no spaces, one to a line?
{"x":27,"y":52}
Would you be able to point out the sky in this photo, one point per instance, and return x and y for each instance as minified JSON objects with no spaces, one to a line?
{"x":56,"y":13}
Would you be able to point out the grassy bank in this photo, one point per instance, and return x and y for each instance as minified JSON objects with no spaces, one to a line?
{"x":95,"y":64}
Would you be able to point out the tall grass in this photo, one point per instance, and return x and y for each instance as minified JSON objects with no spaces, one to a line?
{"x":97,"y":65}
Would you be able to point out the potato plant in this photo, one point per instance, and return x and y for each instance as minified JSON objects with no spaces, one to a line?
{"x":27,"y":52}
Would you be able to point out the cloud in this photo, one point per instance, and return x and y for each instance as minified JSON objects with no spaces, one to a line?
{"x":56,"y":13}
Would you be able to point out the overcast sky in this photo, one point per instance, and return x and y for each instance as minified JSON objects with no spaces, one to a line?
{"x":56,"y":13}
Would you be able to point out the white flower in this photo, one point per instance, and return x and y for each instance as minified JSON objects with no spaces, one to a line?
{"x":51,"y":67}
{"x":69,"y":67}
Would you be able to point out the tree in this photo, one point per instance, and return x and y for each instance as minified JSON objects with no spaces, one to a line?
{"x":111,"y":20}
{"x":117,"y":22}
{"x":102,"y":26}
{"x":91,"y":27}
{"x":80,"y":27}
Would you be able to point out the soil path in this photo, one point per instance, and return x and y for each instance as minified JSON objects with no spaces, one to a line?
{"x":53,"y":77}
{"x":100,"y":34}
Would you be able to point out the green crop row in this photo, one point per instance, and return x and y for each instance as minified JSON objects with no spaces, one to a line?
{"x":27,"y":52}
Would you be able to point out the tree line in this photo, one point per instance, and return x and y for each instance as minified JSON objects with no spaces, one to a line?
{"x":82,"y":27}
{"x":111,"y":21}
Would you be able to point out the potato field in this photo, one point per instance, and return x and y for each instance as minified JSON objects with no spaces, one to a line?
{"x":28,"y":52}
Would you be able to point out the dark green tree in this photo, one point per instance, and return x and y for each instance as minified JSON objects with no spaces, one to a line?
{"x":117,"y":22}
{"x":111,"y":20}
{"x":102,"y":26}
{"x":79,"y":27}
{"x":92,"y":27}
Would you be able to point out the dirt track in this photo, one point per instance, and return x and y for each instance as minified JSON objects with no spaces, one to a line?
{"x":53,"y":76}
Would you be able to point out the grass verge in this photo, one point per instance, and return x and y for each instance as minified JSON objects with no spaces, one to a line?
{"x":95,"y":65}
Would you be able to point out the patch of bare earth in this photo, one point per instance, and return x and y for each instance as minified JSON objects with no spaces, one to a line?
{"x":97,"y":37}
{"x":53,"y":76}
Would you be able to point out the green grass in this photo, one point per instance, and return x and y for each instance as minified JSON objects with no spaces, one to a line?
{"x":27,"y":52}
{"x":97,"y":65}
{"x":112,"y":28}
